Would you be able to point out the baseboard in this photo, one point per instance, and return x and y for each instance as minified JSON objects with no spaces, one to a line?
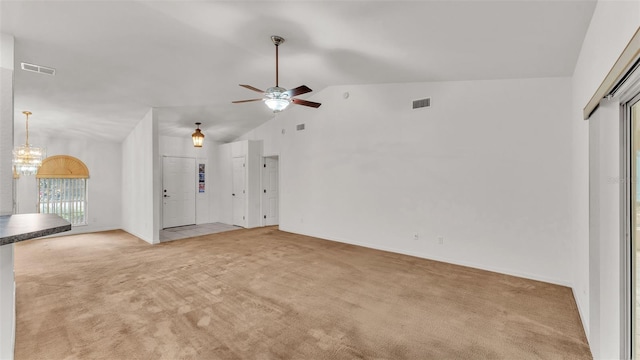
{"x":82,"y":230}
{"x":88,"y":229}
{"x":137,"y":235}
{"x":439,"y":258}
{"x":404,"y":252}
{"x":582,"y":315}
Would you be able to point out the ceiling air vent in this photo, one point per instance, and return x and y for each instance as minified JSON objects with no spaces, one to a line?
{"x":417,"y":104}
{"x":300,"y":127}
{"x":38,"y":69}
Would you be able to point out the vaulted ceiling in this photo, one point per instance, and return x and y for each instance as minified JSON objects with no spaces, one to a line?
{"x":116,"y":59}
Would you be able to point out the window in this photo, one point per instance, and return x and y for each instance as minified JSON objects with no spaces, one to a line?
{"x":64,"y":197}
{"x":62,"y":188}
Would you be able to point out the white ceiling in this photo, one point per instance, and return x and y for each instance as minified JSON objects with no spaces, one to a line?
{"x":116,"y":59}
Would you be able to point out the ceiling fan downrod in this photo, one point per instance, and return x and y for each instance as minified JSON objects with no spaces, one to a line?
{"x":277,"y":40}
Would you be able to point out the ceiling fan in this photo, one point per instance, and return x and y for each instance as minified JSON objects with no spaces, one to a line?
{"x":277,"y":98}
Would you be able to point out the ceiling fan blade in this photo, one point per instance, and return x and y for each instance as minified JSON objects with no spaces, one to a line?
{"x":306,"y":103}
{"x":252,"y":88}
{"x":244,"y":101}
{"x":303,"y":89}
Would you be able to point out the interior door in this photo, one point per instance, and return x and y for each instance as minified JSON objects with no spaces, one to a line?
{"x":239,"y":192}
{"x":270,"y":195}
{"x":179,"y":191}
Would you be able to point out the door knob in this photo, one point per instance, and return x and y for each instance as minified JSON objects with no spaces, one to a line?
{"x":166,"y":195}
{"x":233,"y":194}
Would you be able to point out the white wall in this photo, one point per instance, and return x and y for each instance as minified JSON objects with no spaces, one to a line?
{"x":141,"y":181}
{"x":103,"y":159}
{"x":7,"y":284}
{"x":6,"y":123}
{"x":612,"y":26}
{"x":208,"y":154}
{"x":485,"y":168}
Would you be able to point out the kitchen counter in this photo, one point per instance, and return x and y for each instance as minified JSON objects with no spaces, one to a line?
{"x":20,"y":227}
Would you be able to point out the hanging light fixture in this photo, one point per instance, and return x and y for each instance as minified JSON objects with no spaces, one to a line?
{"x":277,"y":99}
{"x":198,"y":136}
{"x":27,"y":159}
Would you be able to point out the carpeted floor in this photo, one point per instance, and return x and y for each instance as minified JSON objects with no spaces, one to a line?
{"x":267,"y":294}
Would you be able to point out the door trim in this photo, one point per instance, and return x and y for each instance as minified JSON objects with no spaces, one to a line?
{"x":628,"y":261}
{"x":628,"y":314}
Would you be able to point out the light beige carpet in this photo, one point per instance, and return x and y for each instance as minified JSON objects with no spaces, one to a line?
{"x":267,"y":294}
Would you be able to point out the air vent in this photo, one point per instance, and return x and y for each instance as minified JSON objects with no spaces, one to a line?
{"x":300,"y":127}
{"x":417,"y":104}
{"x":38,"y":69}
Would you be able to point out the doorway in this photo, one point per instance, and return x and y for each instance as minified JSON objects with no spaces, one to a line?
{"x":270,"y":191}
{"x":179,"y":184}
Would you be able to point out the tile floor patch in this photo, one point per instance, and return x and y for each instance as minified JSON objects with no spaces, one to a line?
{"x":183,"y":232}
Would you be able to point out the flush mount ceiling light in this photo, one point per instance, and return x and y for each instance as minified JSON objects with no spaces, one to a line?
{"x":198,"y":136}
{"x":26,"y":158}
{"x":277,"y":98}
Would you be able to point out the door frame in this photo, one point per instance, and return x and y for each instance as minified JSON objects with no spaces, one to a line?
{"x":628,"y":238}
{"x":626,"y":211}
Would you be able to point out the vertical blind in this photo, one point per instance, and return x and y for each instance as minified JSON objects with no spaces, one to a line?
{"x":64,"y":197}
{"x":62,"y":188}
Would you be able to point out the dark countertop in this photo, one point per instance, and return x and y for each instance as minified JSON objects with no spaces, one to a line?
{"x":19,"y":227}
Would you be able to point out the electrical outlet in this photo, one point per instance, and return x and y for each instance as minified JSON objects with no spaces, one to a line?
{"x":416,"y":236}
{"x":440,"y":240}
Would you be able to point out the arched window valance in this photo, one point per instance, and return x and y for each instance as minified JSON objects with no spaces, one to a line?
{"x":63,"y":167}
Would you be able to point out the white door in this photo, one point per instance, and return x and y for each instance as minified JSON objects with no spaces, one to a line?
{"x":179,"y":191}
{"x":239,"y":192}
{"x":270,"y":196}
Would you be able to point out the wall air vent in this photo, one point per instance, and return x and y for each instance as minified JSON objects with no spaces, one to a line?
{"x":300,"y":127}
{"x":38,"y":69}
{"x":417,"y":104}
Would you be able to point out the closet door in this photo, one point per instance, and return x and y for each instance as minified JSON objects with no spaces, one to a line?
{"x":239,"y":191}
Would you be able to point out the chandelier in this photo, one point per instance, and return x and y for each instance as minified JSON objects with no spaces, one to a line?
{"x":27,"y":159}
{"x":198,"y":136}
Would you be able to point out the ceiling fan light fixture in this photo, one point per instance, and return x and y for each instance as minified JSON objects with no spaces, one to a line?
{"x":197,"y":137}
{"x":276,"y":99}
{"x":277,"y":105}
